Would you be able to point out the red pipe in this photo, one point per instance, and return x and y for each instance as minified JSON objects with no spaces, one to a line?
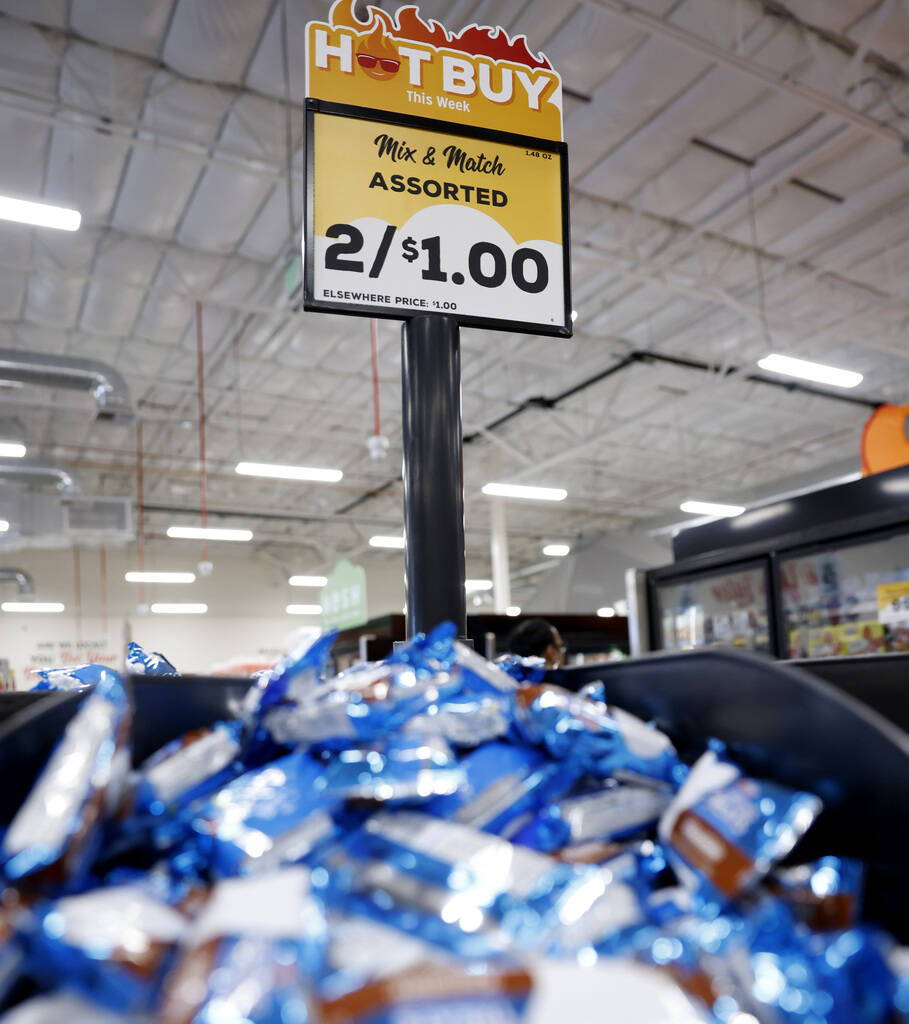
{"x":140,"y":509}
{"x":374,"y":338}
{"x":77,"y":582}
{"x":200,"y":373}
{"x":102,"y":565}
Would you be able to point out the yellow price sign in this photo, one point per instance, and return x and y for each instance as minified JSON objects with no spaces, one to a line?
{"x":405,"y":218}
{"x":893,"y":602}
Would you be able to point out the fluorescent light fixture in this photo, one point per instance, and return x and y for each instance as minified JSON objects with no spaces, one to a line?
{"x":711,"y":508}
{"x":606,"y":612}
{"x":474,"y":585}
{"x":326,"y":476}
{"x":43,"y":607}
{"x":820,"y":373}
{"x":11,"y":450}
{"x":308,"y":581}
{"x":4,"y":526}
{"x":304,"y":609}
{"x":42,"y":215}
{"x":159,"y":577}
{"x":556,"y":550}
{"x":188,"y":608}
{"x":513,"y":611}
{"x":380,"y":541}
{"x":524,"y":491}
{"x":207,"y":533}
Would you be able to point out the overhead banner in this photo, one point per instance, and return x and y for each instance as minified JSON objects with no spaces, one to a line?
{"x":408,"y":215}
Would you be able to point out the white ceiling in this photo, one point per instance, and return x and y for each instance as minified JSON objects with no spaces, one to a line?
{"x":165,"y":122}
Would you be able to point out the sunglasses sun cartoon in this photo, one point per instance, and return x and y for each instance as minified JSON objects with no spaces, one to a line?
{"x":377,"y":56}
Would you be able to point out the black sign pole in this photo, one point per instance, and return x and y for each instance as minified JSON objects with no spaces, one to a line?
{"x":434,"y":551}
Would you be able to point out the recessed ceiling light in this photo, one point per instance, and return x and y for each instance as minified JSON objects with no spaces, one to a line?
{"x":711,"y":508}
{"x":474,"y":585}
{"x":513,"y":610}
{"x":308,"y":581}
{"x":170,"y":608}
{"x":326,"y":476}
{"x":12,"y":450}
{"x":208,"y":533}
{"x":526,"y":492}
{"x":820,"y":373}
{"x":41,"y":215}
{"x":134,"y":576}
{"x":39,"y":607}
{"x":556,"y":550}
{"x":381,"y":541}
{"x":304,"y":609}
{"x":606,"y":612}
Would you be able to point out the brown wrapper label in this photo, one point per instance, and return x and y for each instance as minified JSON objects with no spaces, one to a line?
{"x":424,"y":983}
{"x":594,"y":852}
{"x":711,"y":853}
{"x":186,"y":986}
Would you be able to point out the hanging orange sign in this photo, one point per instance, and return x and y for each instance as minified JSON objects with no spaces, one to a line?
{"x":402,"y":64}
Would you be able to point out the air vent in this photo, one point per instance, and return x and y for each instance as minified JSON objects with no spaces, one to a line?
{"x":108,"y":517}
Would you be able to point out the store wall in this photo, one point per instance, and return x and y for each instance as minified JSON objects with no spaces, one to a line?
{"x":246,"y":595}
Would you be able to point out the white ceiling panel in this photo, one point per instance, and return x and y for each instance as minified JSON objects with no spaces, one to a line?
{"x":22,"y":166}
{"x":215,"y":39}
{"x":111,"y":84}
{"x":84,"y":168}
{"x":53,"y":301}
{"x":166,"y":176}
{"x":222,"y":207}
{"x":114,"y":23}
{"x":29,"y":59}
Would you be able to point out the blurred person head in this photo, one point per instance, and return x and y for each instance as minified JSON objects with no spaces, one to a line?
{"x":537,"y":638}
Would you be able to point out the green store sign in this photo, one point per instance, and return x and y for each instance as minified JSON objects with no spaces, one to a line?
{"x":343,"y":597}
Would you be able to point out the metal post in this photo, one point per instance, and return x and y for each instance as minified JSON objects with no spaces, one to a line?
{"x":433,"y":473}
{"x":501,"y":581}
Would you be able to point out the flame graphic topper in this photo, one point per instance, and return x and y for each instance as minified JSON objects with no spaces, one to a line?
{"x":406,"y":24}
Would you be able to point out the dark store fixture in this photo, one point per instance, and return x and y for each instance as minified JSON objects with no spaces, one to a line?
{"x":802,"y":565}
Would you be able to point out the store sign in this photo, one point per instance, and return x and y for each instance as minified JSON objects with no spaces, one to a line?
{"x":893,"y":602}
{"x":343,"y":598}
{"x":402,"y":64}
{"x":435,"y":213}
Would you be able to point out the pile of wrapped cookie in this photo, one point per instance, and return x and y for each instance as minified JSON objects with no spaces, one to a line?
{"x":432,"y":839}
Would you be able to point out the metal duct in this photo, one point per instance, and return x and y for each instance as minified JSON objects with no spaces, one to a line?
{"x":39,"y":471}
{"x":21,"y":579}
{"x":105,"y":384}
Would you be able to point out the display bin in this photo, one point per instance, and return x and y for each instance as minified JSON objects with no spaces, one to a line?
{"x":780,"y":723}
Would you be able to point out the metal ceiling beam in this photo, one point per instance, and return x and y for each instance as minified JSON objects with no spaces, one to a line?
{"x":641,"y":19}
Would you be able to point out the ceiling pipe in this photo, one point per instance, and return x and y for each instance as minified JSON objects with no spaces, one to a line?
{"x":105,"y":384}
{"x":22,"y":580}
{"x":39,"y":471}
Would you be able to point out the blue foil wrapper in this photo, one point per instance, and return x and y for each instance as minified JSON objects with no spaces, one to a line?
{"x":505,"y":784}
{"x":147,"y":663}
{"x":252,"y":955}
{"x":724,"y":831}
{"x":271,"y":816}
{"x":602,"y":741}
{"x":188,"y":768}
{"x":112,"y":944}
{"x":402,"y":768}
{"x":71,"y":677}
{"x":57,"y":832}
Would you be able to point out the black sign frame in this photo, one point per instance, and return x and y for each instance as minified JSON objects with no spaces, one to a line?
{"x":312,"y":303}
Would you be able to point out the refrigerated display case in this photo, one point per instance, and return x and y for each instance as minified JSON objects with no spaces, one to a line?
{"x":820,"y":575}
